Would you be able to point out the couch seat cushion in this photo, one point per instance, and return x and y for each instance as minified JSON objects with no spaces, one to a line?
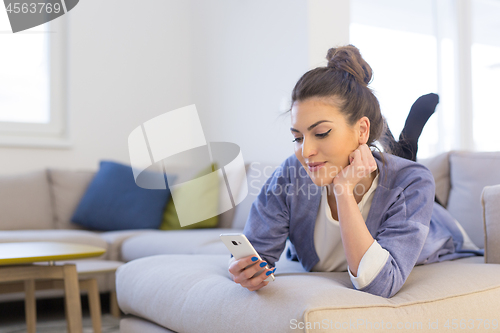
{"x":187,"y":292}
{"x":194,"y":241}
{"x":115,"y":239}
{"x":134,"y":325}
{"x":63,"y":236}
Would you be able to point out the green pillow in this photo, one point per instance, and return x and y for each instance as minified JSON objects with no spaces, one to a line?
{"x":210,"y":198}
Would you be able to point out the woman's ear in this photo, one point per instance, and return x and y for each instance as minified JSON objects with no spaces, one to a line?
{"x":364,"y":130}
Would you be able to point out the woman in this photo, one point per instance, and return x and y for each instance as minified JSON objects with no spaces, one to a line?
{"x":342,"y":205}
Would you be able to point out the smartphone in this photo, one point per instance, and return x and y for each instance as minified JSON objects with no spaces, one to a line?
{"x":240,"y":247}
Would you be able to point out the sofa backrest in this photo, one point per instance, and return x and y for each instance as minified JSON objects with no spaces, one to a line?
{"x":25,"y":202}
{"x":465,"y":174}
{"x":439,"y":165}
{"x":67,"y":188}
{"x":257,"y":175}
{"x":470,"y":172}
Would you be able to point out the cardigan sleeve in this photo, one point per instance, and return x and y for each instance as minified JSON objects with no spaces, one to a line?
{"x":403,"y":232}
{"x":267,"y":225}
{"x":370,"y":265}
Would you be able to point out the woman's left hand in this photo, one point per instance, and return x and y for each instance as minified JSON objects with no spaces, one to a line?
{"x":361,"y":164}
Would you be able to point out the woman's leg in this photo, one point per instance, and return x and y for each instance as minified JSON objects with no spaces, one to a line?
{"x":420,"y":112}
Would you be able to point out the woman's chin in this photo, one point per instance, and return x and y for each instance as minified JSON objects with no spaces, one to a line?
{"x":319,"y":181}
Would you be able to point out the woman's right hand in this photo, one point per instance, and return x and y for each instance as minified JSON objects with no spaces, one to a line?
{"x":242,"y":274}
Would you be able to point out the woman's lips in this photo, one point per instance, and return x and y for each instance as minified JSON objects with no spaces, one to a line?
{"x":316,"y":167}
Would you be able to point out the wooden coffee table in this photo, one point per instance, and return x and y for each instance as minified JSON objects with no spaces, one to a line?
{"x":17,"y":264}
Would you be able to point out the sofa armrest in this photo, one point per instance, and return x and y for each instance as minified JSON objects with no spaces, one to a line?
{"x":490,"y":200}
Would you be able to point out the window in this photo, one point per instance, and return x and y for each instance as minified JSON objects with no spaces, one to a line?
{"x":32,"y":85}
{"x":418,"y":47}
{"x":485,"y":59}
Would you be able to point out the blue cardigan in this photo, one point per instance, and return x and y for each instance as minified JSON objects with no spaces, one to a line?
{"x":403,"y":218}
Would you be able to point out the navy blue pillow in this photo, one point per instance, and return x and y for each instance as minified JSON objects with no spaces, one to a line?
{"x":113,"y":201}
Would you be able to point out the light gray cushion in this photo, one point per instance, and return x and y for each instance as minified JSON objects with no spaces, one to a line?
{"x":193,"y":293}
{"x":68,"y":187}
{"x":116,"y":238}
{"x":490,"y":199}
{"x":193,"y":241}
{"x":470,"y":172}
{"x":440,"y":168}
{"x":134,"y":325}
{"x":25,"y":202}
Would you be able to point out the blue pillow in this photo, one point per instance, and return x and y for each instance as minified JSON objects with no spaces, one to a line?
{"x":113,"y":201}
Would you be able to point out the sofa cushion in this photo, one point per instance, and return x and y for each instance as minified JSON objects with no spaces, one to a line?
{"x":134,"y":325}
{"x":490,"y":199}
{"x":470,"y":172}
{"x":440,"y":168}
{"x":186,"y":292}
{"x":25,"y":201}
{"x":67,"y":188}
{"x":63,"y":236}
{"x":206,"y":202}
{"x":195,"y":241}
{"x":113,"y":201}
{"x":115,"y":239}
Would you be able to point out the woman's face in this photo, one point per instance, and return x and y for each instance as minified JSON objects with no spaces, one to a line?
{"x":322,"y":135}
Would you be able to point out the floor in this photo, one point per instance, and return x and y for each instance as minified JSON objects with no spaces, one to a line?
{"x":50,"y":316}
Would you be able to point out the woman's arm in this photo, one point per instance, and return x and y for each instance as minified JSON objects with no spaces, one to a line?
{"x":401,"y":236}
{"x":356,"y":238}
{"x":403,"y":232}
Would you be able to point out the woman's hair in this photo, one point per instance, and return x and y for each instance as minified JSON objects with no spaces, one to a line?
{"x":344,"y":83}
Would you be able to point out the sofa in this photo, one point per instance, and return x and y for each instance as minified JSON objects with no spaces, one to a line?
{"x":39,"y":206}
{"x":179,"y":282}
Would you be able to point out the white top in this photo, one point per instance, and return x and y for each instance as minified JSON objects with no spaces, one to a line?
{"x":328,"y":243}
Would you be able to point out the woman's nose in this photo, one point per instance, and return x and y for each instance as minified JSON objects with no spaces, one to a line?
{"x":308,"y":148}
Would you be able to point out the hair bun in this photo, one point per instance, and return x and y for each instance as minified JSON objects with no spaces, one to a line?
{"x":347,"y":58}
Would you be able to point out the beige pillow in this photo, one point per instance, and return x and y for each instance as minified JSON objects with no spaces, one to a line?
{"x":25,"y":202}
{"x":68,"y":187}
{"x":440,"y":168}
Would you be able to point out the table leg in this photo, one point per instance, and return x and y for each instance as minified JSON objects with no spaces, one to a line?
{"x":113,"y":302}
{"x":72,"y":299}
{"x":94,"y":303}
{"x":30,"y":305}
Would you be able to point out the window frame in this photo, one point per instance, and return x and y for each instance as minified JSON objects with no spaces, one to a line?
{"x":54,"y":134}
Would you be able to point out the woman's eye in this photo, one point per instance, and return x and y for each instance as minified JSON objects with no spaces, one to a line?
{"x":322,"y":135}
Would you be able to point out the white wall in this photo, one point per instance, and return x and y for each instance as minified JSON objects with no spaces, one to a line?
{"x":126,"y":64}
{"x":236,"y":60}
{"x":247,"y":55}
